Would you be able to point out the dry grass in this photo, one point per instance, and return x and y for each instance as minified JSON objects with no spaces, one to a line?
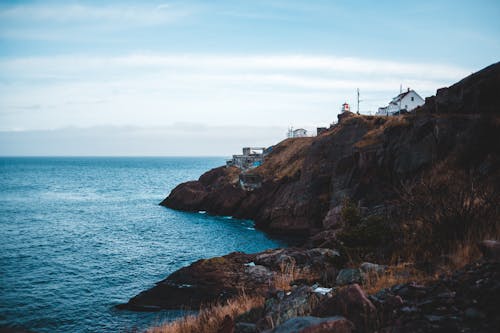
{"x":286,"y":159}
{"x":374,"y":136}
{"x":233,"y":174}
{"x":210,"y":319}
{"x":397,"y":274}
{"x":447,"y":214}
{"x":288,"y":273}
{"x":464,"y":252}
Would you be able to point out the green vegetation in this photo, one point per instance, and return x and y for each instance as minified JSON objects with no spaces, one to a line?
{"x":362,"y":235}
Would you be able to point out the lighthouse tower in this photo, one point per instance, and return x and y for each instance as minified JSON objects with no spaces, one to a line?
{"x":345,"y":107}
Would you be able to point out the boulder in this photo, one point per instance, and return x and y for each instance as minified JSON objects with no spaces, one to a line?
{"x":300,"y":302}
{"x":372,"y":272}
{"x":333,"y":218}
{"x":349,"y":276}
{"x":370,"y":268}
{"x":318,"y":264}
{"x":352,"y":303}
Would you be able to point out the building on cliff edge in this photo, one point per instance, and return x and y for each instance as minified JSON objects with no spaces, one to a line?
{"x":297,"y":133}
{"x":404,"y":102}
{"x":252,"y":157}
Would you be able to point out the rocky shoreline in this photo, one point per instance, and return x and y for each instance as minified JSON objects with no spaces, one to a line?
{"x":222,"y":278}
{"x":317,"y":295}
{"x":369,"y":193}
{"x":466,"y":301}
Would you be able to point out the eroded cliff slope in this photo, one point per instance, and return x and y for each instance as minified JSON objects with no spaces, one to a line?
{"x":363,"y":158}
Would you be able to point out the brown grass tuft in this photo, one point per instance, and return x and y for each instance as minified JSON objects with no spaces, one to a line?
{"x":210,"y":318}
{"x":397,"y":274}
{"x":288,"y":273}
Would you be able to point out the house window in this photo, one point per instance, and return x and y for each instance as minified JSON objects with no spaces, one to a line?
{"x":412,"y":98}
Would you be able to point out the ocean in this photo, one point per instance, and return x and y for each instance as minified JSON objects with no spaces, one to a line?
{"x":79,"y":235}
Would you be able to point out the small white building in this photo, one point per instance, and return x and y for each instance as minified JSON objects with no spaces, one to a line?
{"x":345,"y":108}
{"x":404,"y":102}
{"x":298,"y":133}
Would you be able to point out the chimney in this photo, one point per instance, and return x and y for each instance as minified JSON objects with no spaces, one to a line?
{"x":408,"y":89}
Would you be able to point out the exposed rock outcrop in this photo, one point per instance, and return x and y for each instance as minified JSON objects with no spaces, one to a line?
{"x":365,"y":158}
{"x":351,"y":302}
{"x":204,"y":281}
{"x":477,"y":93}
{"x":466,"y":301}
{"x":375,"y":162}
{"x":220,"y":278}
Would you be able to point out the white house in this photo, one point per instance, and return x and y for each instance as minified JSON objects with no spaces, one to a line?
{"x":405,"y":101}
{"x":298,"y":133}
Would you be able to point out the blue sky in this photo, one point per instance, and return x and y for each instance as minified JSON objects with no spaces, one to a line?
{"x":257,"y":66}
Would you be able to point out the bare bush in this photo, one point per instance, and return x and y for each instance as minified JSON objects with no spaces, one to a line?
{"x":446,"y":208}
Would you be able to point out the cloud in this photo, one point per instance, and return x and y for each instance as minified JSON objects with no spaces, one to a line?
{"x":177,"y":140}
{"x":152,"y":89}
{"x":252,"y":63}
{"x":163,"y":6}
{"x":78,"y":13}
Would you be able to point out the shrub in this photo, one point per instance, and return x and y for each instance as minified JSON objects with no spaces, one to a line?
{"x":363,"y":236}
{"x":447,"y":207}
{"x":350,"y":213}
{"x":370,"y":232}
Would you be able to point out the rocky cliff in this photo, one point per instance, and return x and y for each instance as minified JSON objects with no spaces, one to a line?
{"x":363,"y":158}
{"x":422,"y":188}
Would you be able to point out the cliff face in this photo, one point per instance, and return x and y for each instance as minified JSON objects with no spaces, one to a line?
{"x":419,"y":186}
{"x":364,"y":158}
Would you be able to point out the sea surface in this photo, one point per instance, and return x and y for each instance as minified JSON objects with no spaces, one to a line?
{"x":80,"y":235}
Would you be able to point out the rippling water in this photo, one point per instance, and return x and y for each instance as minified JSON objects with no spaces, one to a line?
{"x":80,"y":235}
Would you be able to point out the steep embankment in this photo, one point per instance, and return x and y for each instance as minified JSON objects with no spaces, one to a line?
{"x":364,"y":158}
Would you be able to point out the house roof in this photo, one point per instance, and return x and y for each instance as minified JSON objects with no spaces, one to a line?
{"x":399,"y":97}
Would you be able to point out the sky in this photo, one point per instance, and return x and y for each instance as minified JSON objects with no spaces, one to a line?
{"x":208,"y":77}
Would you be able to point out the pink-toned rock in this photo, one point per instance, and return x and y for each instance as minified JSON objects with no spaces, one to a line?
{"x":352,"y":303}
{"x":333,"y":219}
{"x":227,"y":325}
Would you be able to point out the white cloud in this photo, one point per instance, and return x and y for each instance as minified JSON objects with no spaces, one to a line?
{"x":163,"y":6}
{"x":267,"y":63}
{"x":152,"y":89}
{"x":178,"y":140}
{"x":74,"y":13}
